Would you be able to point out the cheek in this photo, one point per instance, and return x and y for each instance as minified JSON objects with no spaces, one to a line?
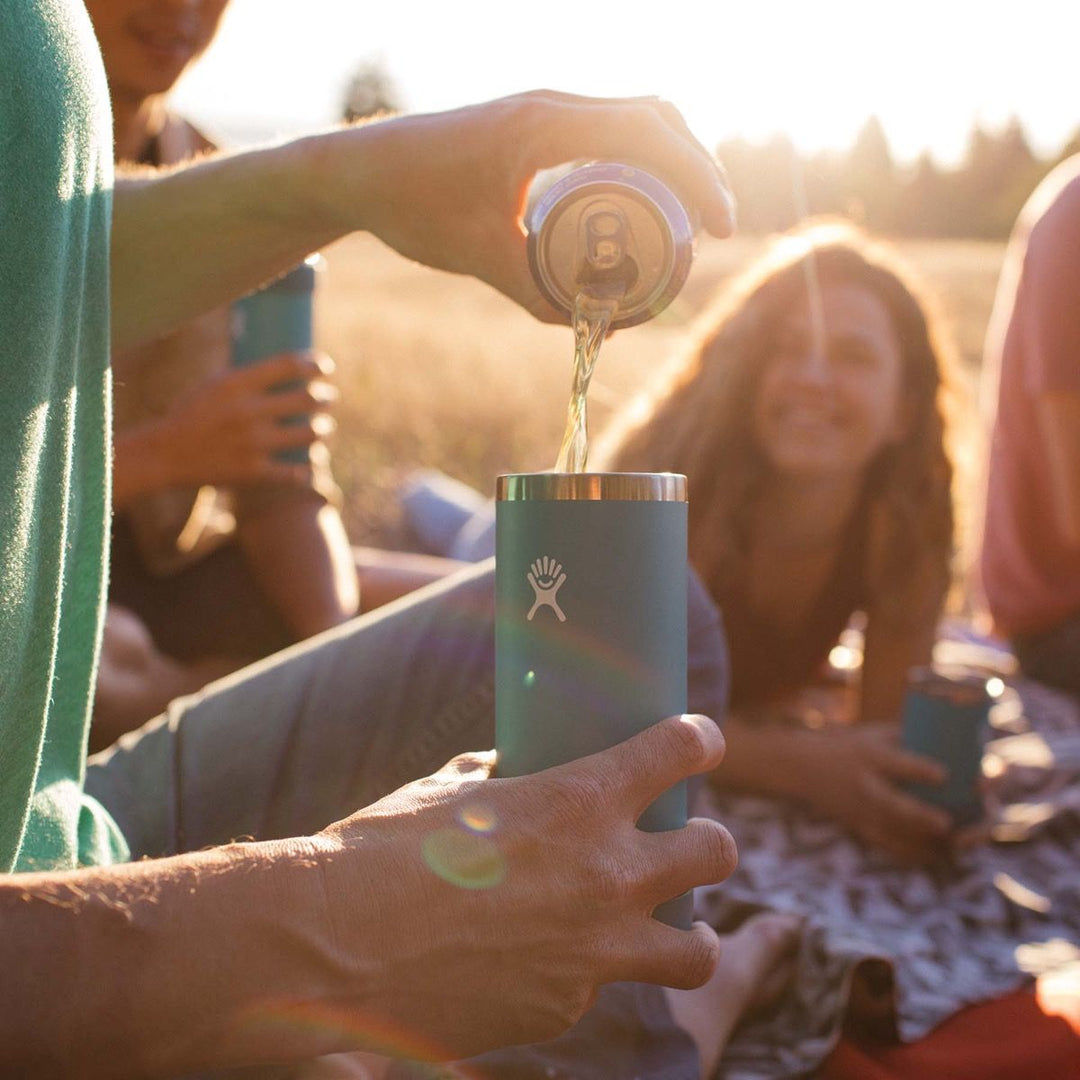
{"x":883,"y":414}
{"x":760,"y":422}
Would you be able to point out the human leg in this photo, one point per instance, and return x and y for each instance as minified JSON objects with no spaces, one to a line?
{"x":307,"y":736}
{"x":437,"y":507}
{"x":753,"y":970}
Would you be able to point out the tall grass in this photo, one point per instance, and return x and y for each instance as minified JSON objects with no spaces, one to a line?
{"x":440,"y":370}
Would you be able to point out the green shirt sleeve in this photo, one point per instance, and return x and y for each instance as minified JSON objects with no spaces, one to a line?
{"x":55,"y":189}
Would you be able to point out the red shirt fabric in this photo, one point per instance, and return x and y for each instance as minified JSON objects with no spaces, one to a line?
{"x":1030,"y":575}
{"x":1015,"y":1037}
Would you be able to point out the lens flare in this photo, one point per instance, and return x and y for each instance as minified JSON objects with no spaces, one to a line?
{"x":279,"y":1021}
{"x":464,"y":858}
{"x":479,"y":818}
{"x":529,"y":680}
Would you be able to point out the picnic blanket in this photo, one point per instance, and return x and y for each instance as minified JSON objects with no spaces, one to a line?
{"x":890,"y":953}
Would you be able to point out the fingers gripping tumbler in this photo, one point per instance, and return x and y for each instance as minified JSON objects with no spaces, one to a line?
{"x":277,"y":319}
{"x":590,"y":623}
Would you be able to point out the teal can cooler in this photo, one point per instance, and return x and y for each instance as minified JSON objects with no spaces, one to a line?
{"x":277,"y":319}
{"x":590,"y":622}
{"x":946,"y":717}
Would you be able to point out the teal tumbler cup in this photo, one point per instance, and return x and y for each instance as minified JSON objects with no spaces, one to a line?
{"x":277,"y":319}
{"x":590,"y":622}
{"x":946,"y":716}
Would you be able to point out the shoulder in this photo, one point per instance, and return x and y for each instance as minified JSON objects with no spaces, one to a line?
{"x":1051,"y":217}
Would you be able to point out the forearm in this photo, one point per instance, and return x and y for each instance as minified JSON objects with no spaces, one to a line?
{"x":253,"y":215}
{"x":890,"y":650}
{"x":140,"y":463}
{"x":445,"y":189}
{"x":298,"y":550}
{"x":249,"y":216}
{"x":765,"y":757}
{"x":163,"y":967}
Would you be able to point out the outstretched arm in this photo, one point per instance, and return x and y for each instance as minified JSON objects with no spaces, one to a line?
{"x":851,"y":774}
{"x":445,"y":189}
{"x":291,"y":949}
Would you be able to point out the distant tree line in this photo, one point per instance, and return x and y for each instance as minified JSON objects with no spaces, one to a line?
{"x":776,"y":186}
{"x":372,"y":92}
{"x":979,"y":198}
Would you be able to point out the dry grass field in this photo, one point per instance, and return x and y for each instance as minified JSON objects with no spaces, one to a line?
{"x":441,"y":370}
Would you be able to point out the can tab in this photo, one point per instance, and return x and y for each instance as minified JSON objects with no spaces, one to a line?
{"x":607,"y":265}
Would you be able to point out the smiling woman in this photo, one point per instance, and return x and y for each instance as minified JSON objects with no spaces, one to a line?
{"x":808,"y":418}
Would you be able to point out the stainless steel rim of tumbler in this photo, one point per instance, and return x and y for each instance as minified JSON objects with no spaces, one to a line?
{"x":611,"y":487}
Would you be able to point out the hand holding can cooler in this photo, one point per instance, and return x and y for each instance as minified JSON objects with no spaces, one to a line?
{"x":945,"y":717}
{"x":590,"y":623}
{"x":277,"y":319}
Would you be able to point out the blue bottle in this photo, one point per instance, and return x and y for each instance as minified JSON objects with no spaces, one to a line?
{"x":277,"y":319}
{"x":590,"y":622}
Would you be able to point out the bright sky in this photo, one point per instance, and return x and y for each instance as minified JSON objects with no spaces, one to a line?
{"x":816,"y":69}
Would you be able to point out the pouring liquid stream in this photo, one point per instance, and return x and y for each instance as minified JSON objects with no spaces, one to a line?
{"x":593,"y":311}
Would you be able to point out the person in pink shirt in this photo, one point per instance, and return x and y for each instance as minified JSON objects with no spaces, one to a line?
{"x":1029,"y":562}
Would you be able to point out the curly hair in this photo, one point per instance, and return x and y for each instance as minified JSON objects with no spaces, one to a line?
{"x":699,"y":420}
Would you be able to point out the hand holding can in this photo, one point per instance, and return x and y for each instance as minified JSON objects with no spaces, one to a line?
{"x":278,"y":318}
{"x":945,"y":717}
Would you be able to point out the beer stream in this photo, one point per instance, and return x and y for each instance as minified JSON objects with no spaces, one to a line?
{"x":593,"y":312}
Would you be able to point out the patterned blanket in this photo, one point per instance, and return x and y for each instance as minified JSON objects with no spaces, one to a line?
{"x":889,"y":953}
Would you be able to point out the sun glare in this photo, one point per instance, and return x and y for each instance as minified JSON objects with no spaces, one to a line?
{"x":812,"y":72}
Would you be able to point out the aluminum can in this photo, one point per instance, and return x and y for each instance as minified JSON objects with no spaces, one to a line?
{"x":277,"y":319}
{"x":590,"y":622}
{"x":603,"y":226}
{"x":945,"y":717}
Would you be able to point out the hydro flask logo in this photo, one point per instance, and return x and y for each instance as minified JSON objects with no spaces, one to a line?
{"x":546,"y":577}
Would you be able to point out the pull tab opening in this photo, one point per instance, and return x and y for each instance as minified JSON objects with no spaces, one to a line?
{"x":606,"y":267}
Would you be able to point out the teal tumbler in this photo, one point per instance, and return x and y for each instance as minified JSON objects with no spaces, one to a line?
{"x":590,"y":622}
{"x":946,"y":717}
{"x":277,"y":319}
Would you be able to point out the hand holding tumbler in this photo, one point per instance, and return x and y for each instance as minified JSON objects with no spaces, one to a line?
{"x":277,"y":319}
{"x":590,"y":622}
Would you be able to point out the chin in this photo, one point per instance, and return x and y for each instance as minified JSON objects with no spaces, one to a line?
{"x":809,"y":465}
{"x":160,"y":79}
{"x":142,"y":83}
